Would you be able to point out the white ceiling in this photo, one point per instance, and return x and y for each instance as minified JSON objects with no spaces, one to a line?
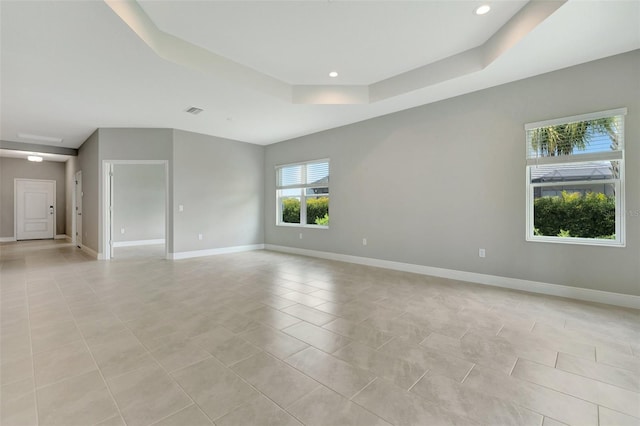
{"x":70,"y":67}
{"x":301,"y":42}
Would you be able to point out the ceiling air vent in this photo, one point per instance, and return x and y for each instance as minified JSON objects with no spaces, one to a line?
{"x":194,"y":110}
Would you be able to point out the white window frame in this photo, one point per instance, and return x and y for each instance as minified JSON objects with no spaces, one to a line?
{"x":619,"y":186}
{"x":303,"y":196}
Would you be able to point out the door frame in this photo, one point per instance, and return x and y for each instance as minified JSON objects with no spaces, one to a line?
{"x":15,"y":204}
{"x":77,"y":177}
{"x":107,"y":203}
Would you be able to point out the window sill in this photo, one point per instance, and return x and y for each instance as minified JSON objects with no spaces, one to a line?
{"x":297,"y":225}
{"x":577,"y":241}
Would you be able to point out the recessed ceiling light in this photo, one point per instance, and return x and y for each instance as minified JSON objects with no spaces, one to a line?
{"x":34,"y":158}
{"x":39,"y":138}
{"x":333,"y":74}
{"x":482,"y":10}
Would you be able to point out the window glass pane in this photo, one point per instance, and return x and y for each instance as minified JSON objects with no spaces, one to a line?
{"x":290,"y":208}
{"x":310,"y":192}
{"x":575,"y":210}
{"x":581,"y":137}
{"x":571,"y":172}
{"x":290,"y":175}
{"x":318,"y":173}
{"x":318,"y":210}
{"x":290,"y":192}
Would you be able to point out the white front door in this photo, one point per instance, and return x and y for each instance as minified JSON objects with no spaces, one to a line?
{"x":79,"y":208}
{"x":35,"y":209}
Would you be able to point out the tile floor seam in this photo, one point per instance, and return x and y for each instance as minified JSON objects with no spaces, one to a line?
{"x":86,"y":345}
{"x":170,"y":372}
{"x":65,"y":379}
{"x":416,"y":382}
{"x":366,"y":386}
{"x":184,"y":391}
{"x":33,"y":366}
{"x":365,"y":408}
{"x":513,"y":367}
{"x":600,"y":381}
{"x":468,"y":372}
{"x":567,"y":394}
{"x":260,"y":393}
{"x":619,"y":412}
{"x":588,"y":378}
{"x":317,"y":381}
{"x":240,"y":360}
{"x":176,"y":412}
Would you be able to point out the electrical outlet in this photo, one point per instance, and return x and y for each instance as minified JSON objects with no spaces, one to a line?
{"x":481,"y":252}
{"x":180,"y":208}
{"x":300,"y":235}
{"x":200,"y":236}
{"x":122,"y":230}
{"x":364,"y":241}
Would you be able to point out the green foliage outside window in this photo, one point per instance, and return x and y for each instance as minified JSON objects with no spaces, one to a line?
{"x":317,"y":211}
{"x":575,"y":215}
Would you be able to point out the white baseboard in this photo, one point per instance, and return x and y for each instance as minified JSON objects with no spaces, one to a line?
{"x":91,"y":252}
{"x":60,"y":237}
{"x":213,"y":252}
{"x":138,"y":243}
{"x":618,"y":299}
{"x":7,"y":239}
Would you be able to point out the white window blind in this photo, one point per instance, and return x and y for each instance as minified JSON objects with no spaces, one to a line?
{"x":306,"y":175}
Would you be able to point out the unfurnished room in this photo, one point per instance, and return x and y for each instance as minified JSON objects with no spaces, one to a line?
{"x":320,"y":213}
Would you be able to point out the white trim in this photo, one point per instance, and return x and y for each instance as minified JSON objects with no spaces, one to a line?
{"x":576,"y":158}
{"x":574,"y":118}
{"x":618,"y":299}
{"x":301,"y":163}
{"x":91,"y":252}
{"x":7,"y":239}
{"x":138,"y":243}
{"x":213,"y":252}
{"x":60,"y":237}
{"x":106,"y":202}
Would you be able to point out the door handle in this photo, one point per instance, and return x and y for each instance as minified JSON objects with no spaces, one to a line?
{"x":50,"y":209}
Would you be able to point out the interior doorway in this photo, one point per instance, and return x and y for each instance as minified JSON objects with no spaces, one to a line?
{"x":35,"y":209}
{"x":136,"y":209}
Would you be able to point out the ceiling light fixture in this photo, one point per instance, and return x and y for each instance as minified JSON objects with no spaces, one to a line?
{"x":194,"y":110}
{"x":39,"y":138}
{"x":34,"y":158}
{"x":333,"y":74}
{"x":482,"y":10}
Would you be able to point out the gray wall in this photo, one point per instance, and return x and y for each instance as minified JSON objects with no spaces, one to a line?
{"x":89,"y":165}
{"x":432,"y":185}
{"x":11,"y":168}
{"x":138,"y":202}
{"x":136,"y":144}
{"x":220,"y":184}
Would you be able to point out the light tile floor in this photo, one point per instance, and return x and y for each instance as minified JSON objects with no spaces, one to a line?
{"x":272,"y":339}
